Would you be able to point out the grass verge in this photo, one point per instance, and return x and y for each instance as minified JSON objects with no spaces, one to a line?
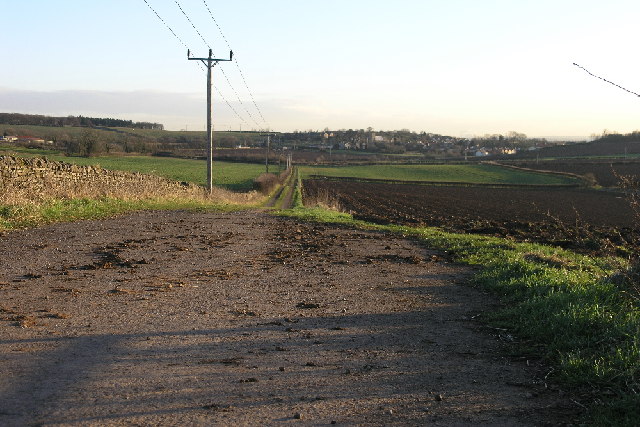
{"x":33,"y":215}
{"x":288,"y":190}
{"x":296,"y":201}
{"x":562,"y":306}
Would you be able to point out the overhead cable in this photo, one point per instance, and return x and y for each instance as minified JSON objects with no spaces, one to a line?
{"x":166,"y":25}
{"x":237,"y":63}
{"x":605,"y":80}
{"x":200,"y":65}
{"x":221,"y":69}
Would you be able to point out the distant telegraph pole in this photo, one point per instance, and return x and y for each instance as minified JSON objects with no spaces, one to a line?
{"x":266,"y":158}
{"x":209,"y":63}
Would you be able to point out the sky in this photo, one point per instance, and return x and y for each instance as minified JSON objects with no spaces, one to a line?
{"x":454,"y":67}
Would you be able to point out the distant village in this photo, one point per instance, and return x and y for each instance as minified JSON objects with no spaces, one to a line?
{"x":384,"y":142}
{"x":99,"y":135}
{"x":398,"y":142}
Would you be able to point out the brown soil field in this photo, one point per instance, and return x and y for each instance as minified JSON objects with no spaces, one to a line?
{"x":232,"y":319}
{"x":603,"y":171}
{"x":573,"y":218}
{"x":594,"y":148}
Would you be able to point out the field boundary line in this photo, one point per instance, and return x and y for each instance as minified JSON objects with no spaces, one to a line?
{"x":579,"y":177}
{"x":440,"y":183}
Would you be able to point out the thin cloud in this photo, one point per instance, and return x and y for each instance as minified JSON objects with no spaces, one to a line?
{"x":63,"y":102}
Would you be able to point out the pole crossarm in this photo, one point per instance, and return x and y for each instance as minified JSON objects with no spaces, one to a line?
{"x":210,"y":57}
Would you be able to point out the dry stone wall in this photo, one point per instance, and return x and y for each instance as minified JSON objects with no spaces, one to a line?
{"x":37,"y":179}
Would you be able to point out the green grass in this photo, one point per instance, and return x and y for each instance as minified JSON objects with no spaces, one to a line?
{"x":296,"y":202}
{"x":472,"y":174}
{"x":15,"y":217}
{"x":233,"y":176}
{"x":7,"y":149}
{"x":560,"y":305}
{"x":290,"y":186}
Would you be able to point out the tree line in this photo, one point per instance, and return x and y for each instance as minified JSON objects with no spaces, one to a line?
{"x":617,"y":137}
{"x":76,"y":121}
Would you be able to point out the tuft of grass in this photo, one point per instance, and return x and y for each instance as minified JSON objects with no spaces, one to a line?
{"x":561,"y":306}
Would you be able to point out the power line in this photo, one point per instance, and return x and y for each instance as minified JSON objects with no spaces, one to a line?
{"x":250,"y":94}
{"x":191,"y":22}
{"x":237,"y":64}
{"x":605,"y":80}
{"x":216,"y":22}
{"x":199,"y":65}
{"x":222,"y":70}
{"x":229,"y":105}
{"x":170,"y":29}
{"x":238,"y":97}
{"x":167,"y":25}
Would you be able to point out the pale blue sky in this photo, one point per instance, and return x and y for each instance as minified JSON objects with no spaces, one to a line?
{"x":456,"y":67}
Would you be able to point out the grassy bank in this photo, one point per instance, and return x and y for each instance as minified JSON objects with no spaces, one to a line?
{"x":473,"y":174}
{"x":91,"y":203}
{"x":561,"y":306}
{"x":24,"y":216}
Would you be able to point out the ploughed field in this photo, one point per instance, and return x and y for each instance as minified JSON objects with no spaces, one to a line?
{"x":581,"y":219}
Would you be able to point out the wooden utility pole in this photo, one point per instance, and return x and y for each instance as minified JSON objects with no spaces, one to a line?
{"x":209,"y":62}
{"x":266,"y":158}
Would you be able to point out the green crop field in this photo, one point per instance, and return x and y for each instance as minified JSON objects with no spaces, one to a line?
{"x":234,"y":176}
{"x":10,"y":150}
{"x":471,"y":174}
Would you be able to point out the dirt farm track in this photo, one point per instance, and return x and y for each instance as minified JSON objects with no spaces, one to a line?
{"x":548,"y":215}
{"x":192,"y":318}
